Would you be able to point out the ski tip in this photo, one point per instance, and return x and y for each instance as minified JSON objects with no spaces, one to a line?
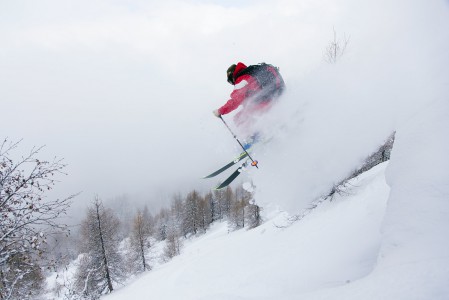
{"x":219,"y":187}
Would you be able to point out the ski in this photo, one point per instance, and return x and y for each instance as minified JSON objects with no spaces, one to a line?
{"x":227,"y":166}
{"x":231,"y":178}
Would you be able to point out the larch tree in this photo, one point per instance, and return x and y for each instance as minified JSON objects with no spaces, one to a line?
{"x":203,"y":216}
{"x":140,"y":242}
{"x":209,"y":198}
{"x":176,"y":215}
{"x":173,"y":241}
{"x":238,"y":206}
{"x":191,"y":212}
{"x":161,"y":223}
{"x":149,"y":221}
{"x":222,"y":202}
{"x":227,"y":199}
{"x":175,"y":229}
{"x":101,"y":266}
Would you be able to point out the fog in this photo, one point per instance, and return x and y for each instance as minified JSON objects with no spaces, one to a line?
{"x":124,"y":90}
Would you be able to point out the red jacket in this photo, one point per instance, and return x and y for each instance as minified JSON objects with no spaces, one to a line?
{"x":245,"y":86}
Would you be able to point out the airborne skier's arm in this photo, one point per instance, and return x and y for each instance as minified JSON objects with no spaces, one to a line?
{"x":238,"y":95}
{"x":246,"y":87}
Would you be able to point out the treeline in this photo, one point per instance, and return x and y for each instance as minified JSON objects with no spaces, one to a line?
{"x":109,"y":255}
{"x":108,"y":248}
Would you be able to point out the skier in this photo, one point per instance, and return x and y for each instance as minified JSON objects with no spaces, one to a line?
{"x":255,"y":89}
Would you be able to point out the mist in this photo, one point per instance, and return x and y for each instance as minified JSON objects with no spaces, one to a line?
{"x":124,"y":90}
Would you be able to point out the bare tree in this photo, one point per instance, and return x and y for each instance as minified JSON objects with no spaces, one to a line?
{"x":216,"y":200}
{"x":101,"y":265}
{"x":336,"y":48}
{"x":253,"y":216}
{"x":161,"y":221}
{"x":204,"y":217}
{"x":176,"y":215}
{"x":173,"y":243}
{"x":27,"y":218}
{"x":123,"y":209}
{"x":149,"y":221}
{"x":191,"y":213}
{"x":140,"y":241}
{"x":211,"y":205}
{"x":222,"y":202}
{"x":237,"y":215}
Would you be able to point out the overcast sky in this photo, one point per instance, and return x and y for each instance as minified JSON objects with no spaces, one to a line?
{"x":124,"y":90}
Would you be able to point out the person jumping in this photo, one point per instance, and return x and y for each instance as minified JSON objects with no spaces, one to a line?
{"x":256,"y":88}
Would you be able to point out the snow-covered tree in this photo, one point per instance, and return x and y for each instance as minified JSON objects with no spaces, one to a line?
{"x":222,"y":202}
{"x":161,"y":220}
{"x":211,"y":204}
{"x":216,"y":204}
{"x":237,"y":215}
{"x":238,"y":207}
{"x":140,"y":241}
{"x":252,"y":214}
{"x":101,"y":266}
{"x":173,"y":242}
{"x":380,"y":155}
{"x":27,"y":218}
{"x":244,"y":211}
{"x":149,"y":221}
{"x":191,"y":213}
{"x":176,"y":215}
{"x":204,"y":216}
{"x":124,"y":210}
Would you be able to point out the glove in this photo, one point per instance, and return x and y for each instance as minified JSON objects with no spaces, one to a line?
{"x":216,"y":113}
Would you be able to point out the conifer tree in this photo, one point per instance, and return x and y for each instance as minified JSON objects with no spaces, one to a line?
{"x":101,"y":266}
{"x":173,"y":242}
{"x":140,"y":242}
{"x":238,"y":205}
{"x":161,"y":223}
{"x":216,"y":200}
{"x":150,"y":221}
{"x":191,"y":213}
{"x":222,"y":202}
{"x":252,"y":214}
{"x":177,"y":213}
{"x":211,"y":205}
{"x":204,"y":217}
{"x":227,"y":201}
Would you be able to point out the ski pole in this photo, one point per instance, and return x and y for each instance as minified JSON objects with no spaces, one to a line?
{"x":253,"y":162}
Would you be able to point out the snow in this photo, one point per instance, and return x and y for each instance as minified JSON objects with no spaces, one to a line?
{"x":413,"y":261}
{"x":57,"y":281}
{"x":385,"y":237}
{"x":333,"y":245}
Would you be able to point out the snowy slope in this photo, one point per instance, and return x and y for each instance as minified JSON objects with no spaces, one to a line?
{"x":414,"y":256}
{"x":386,"y":238}
{"x":335,"y":244}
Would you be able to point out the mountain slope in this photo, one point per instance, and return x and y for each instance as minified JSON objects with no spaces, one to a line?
{"x":384,"y":238}
{"x":413,"y":260}
{"x":336,"y":243}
